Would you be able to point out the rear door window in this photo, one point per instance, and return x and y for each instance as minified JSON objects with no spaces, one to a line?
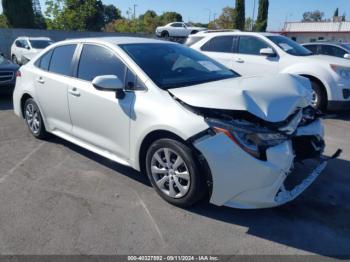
{"x":333,"y":51}
{"x":223,"y":44}
{"x":313,"y":48}
{"x":61,"y":60}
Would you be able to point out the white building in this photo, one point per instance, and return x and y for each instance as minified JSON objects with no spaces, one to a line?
{"x":304,"y":32}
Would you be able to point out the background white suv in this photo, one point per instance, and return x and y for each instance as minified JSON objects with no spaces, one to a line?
{"x":24,"y":49}
{"x":265,"y":53}
{"x":178,"y":29}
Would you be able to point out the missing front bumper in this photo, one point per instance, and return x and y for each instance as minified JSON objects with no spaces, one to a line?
{"x":284,"y":196}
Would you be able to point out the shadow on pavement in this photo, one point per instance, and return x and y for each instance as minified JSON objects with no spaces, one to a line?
{"x":317,"y":222}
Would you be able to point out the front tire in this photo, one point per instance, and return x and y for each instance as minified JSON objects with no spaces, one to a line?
{"x":34,"y":119}
{"x":319,"y":98}
{"x":173,"y":172}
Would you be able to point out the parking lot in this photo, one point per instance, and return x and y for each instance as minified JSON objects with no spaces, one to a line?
{"x":56,"y":198}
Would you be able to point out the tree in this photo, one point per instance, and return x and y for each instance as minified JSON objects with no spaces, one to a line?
{"x":3,"y":21}
{"x":169,"y":17}
{"x":314,"y":16}
{"x":111,"y":13}
{"x":336,"y":12}
{"x":227,"y":19}
{"x":262,"y":19}
{"x":239,"y":16}
{"x":149,"y":21}
{"x":19,"y":13}
{"x":76,"y":15}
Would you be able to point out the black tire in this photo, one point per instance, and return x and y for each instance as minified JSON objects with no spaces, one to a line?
{"x":38,"y":131}
{"x":197,"y":187}
{"x":320,"y":98}
{"x":194,"y":32}
{"x":165,"y":34}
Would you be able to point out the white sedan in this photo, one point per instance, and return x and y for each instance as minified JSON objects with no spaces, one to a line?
{"x":195,"y":127}
{"x":177,"y":29}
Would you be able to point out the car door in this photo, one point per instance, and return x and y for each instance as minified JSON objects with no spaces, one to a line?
{"x":52,"y":79}
{"x":98,"y":117}
{"x":248,"y":61}
{"x":221,"y":49}
{"x":177,"y":29}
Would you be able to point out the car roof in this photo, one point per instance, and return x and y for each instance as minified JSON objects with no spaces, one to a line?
{"x":230,"y":32}
{"x":32,"y":38}
{"x":119,"y":40}
{"x":324,"y":43}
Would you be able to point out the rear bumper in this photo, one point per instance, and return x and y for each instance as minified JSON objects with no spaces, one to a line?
{"x":242,"y":181}
{"x":338,"y":105}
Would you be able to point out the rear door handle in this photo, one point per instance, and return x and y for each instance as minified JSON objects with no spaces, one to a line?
{"x":239,"y":60}
{"x":74,"y":92}
{"x":41,"y":80}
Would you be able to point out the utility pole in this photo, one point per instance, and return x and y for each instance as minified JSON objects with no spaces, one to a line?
{"x":214,"y":16}
{"x":135,"y":11}
{"x":209,"y":11}
{"x":253,"y":16}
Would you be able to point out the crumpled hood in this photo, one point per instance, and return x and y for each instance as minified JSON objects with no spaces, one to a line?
{"x":271,"y":98}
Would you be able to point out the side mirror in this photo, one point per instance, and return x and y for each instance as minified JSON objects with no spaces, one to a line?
{"x":347,"y":56}
{"x":27,"y":47}
{"x":267,"y":52}
{"x":109,"y":83}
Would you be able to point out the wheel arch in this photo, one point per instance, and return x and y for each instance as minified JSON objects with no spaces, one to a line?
{"x":161,"y":134}
{"x":24,"y":98}
{"x":319,"y":82}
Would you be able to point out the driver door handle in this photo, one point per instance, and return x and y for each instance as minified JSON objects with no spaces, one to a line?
{"x":239,"y":60}
{"x":74,"y":92}
{"x":41,"y":80}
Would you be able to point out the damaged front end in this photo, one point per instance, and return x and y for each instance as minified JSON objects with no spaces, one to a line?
{"x":256,"y":177}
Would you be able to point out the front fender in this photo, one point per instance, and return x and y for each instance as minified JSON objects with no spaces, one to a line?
{"x":315,"y":71}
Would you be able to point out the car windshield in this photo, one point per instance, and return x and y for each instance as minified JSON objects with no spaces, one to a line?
{"x":188,"y":24}
{"x":2,"y":59}
{"x":289,"y":46}
{"x":40,"y":44}
{"x":347,"y":46}
{"x":173,"y":65}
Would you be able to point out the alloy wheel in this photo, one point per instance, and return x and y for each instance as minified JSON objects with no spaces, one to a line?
{"x":170,"y":173}
{"x":33,"y":118}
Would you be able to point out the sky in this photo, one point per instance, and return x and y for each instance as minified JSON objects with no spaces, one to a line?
{"x":199,"y":10}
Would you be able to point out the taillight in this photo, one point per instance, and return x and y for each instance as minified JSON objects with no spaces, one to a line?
{"x":18,"y":74}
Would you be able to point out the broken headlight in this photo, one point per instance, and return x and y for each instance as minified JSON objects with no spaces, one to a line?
{"x":251,"y":138}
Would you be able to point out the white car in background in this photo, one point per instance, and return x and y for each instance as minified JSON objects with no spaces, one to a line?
{"x":24,"y":48}
{"x":178,"y":29}
{"x":268,"y":54}
{"x":194,"y":126}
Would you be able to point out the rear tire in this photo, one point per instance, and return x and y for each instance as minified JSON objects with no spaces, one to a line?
{"x":34,"y":119}
{"x":194,"y":32}
{"x":165,"y":34}
{"x":319,"y":100}
{"x":173,"y":172}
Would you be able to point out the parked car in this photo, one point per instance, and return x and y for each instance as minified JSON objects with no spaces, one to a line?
{"x":194,"y":126}
{"x":24,"y":49}
{"x":177,"y":29}
{"x":341,"y":50}
{"x":265,"y":53}
{"x":8,"y":72}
